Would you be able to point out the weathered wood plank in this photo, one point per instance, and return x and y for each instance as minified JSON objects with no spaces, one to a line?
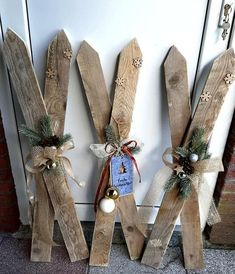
{"x":23,"y":79}
{"x":30,"y":99}
{"x":178,"y":96}
{"x":163,"y":228}
{"x":57,"y":80}
{"x":95,"y":88}
{"x":43,"y":223}
{"x":176,"y":79}
{"x":124,"y":98}
{"x":98,"y":100}
{"x":65,"y":213}
{"x":28,"y":92}
{"x":130,"y":225}
{"x":180,"y":114}
{"x":126,"y":82}
{"x":171,"y":205}
{"x":205,"y":115}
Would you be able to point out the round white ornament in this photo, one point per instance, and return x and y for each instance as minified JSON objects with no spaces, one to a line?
{"x":193,"y":157}
{"x":107,"y":205}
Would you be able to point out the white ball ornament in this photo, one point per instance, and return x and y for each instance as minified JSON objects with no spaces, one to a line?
{"x":193,"y":157}
{"x":107,"y":205}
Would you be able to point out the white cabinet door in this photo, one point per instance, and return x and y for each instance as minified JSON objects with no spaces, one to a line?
{"x":108,"y":26}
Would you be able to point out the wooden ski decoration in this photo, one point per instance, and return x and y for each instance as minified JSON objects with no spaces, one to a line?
{"x":53,"y":181}
{"x":126,"y":81}
{"x":205,"y":116}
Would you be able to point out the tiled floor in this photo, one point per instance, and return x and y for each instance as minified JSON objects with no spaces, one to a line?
{"x":14,"y":259}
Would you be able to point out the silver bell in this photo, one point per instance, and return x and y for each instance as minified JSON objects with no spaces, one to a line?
{"x":193,"y":157}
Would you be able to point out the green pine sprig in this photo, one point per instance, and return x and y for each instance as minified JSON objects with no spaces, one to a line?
{"x":110,"y":135}
{"x":33,"y":136}
{"x":197,"y":145}
{"x":45,"y":136}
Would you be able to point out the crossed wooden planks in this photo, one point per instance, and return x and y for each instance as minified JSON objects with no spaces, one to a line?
{"x":52,"y":191}
{"x":205,"y":116}
{"x":96,"y":92}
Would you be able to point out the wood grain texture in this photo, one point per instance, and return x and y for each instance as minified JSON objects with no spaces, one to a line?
{"x":33,"y":108}
{"x":95,"y":88}
{"x":163,"y":227}
{"x":125,"y":93}
{"x":96,"y":92}
{"x":56,"y":88}
{"x":205,"y":116}
{"x":24,"y":79}
{"x":29,"y":96}
{"x":43,"y":223}
{"x":178,"y":96}
{"x":65,"y":213}
{"x":130,"y":225}
{"x":123,"y":105}
{"x":190,"y":215}
{"x":176,"y":79}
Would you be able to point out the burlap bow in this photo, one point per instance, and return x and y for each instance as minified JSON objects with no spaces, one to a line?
{"x":40,"y":157}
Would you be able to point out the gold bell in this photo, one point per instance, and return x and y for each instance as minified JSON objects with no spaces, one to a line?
{"x":112,"y":193}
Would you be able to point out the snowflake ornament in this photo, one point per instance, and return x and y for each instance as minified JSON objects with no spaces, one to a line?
{"x":120,"y":81}
{"x":137,"y":62}
{"x":50,"y":73}
{"x":206,"y":96}
{"x":229,"y":78}
{"x":67,"y":54}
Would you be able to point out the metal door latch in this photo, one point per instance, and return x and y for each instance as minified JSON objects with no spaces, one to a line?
{"x":226,"y":24}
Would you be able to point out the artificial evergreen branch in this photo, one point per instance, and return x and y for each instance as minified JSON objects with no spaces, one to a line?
{"x":33,"y":136}
{"x":110,"y":135}
{"x":46,"y":126}
{"x":196,"y":150}
{"x":170,"y":183}
{"x":44,"y":138}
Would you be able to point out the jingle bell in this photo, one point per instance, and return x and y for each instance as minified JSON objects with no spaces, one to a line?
{"x":107,"y":205}
{"x":51,"y":165}
{"x":112,"y":193}
{"x":182,"y":175}
{"x":193,"y":157}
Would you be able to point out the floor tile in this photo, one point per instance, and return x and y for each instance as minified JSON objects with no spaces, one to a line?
{"x":218,"y":261}
{"x":14,"y":259}
{"x":121,"y":264}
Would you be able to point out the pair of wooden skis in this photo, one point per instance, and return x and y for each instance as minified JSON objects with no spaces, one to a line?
{"x":182,"y":125}
{"x":119,"y":116}
{"x":53,"y":198}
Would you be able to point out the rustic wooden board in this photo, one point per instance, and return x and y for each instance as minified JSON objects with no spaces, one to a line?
{"x":168,"y":214}
{"x":123,"y":105}
{"x":56,"y":87}
{"x":205,"y":115}
{"x":94,"y":84}
{"x":126,"y":82}
{"x":29,"y":95}
{"x":98,"y":100}
{"x":66,"y":215}
{"x":43,"y":223}
{"x":93,"y":81}
{"x":28,"y":92}
{"x":178,"y":97}
{"x":130,"y":225}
